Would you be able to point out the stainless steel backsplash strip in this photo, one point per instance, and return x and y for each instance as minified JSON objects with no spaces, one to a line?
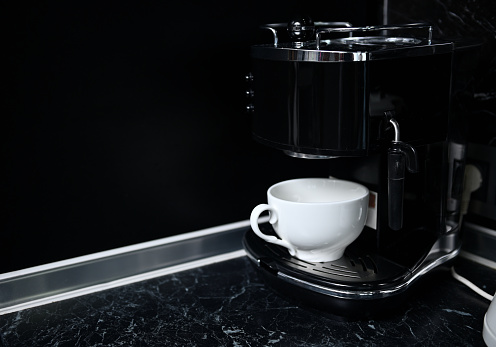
{"x":479,"y":244}
{"x":52,"y":280}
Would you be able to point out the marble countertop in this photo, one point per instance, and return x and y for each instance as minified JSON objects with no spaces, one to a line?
{"x":227,"y":304}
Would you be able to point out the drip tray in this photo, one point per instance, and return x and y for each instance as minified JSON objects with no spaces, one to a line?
{"x":355,"y":270}
{"x":359,"y":284}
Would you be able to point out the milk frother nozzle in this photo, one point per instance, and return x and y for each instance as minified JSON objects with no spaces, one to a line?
{"x":401,"y":156}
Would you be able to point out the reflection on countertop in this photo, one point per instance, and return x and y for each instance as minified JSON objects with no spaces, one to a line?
{"x":227,"y":304}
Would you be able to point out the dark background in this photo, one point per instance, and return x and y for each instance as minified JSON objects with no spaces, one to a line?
{"x":124,"y":122}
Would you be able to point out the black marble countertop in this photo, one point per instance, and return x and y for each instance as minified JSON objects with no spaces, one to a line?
{"x":227,"y":304}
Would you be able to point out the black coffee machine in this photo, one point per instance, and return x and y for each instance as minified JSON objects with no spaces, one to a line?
{"x":377,"y":101}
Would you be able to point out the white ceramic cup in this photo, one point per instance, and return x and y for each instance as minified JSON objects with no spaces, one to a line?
{"x":315,"y":218}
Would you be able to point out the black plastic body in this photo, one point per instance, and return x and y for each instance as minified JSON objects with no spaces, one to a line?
{"x":337,"y":108}
{"x":311,"y":107}
{"x":354,"y":272}
{"x":424,"y":213}
{"x":319,"y":285}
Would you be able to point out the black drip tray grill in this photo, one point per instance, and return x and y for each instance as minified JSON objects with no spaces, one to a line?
{"x":356,"y":270}
{"x":363,"y":283}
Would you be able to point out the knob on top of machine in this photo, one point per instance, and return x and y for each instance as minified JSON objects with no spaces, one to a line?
{"x":301,"y":29}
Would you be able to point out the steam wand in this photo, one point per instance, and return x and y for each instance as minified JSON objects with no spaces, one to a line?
{"x":400,"y":155}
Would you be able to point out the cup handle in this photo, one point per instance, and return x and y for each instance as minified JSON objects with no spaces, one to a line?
{"x":272,"y":219}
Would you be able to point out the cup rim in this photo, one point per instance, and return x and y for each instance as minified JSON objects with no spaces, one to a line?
{"x":367,"y":192}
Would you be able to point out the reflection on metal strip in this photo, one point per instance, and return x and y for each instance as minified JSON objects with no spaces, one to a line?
{"x":99,"y":271}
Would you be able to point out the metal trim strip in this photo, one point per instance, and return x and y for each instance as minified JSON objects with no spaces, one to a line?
{"x":121,"y":282}
{"x":99,"y":271}
{"x":478,"y":259}
{"x":328,"y":55}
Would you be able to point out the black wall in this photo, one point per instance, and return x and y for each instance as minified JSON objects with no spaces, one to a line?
{"x":124,"y":122}
{"x":468,"y":19}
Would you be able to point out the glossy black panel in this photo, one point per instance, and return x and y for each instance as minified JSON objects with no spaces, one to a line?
{"x":337,"y":108}
{"x":417,"y":90}
{"x":311,"y":107}
{"x":424,"y":209}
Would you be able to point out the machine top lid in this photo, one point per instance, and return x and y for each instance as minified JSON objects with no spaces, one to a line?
{"x":311,"y":42}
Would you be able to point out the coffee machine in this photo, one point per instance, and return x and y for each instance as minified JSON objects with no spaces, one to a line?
{"x":375,"y":101}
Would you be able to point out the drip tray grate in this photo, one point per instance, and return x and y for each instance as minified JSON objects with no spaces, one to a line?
{"x":355,"y":269}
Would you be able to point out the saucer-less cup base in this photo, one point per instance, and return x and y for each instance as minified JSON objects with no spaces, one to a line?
{"x":314,"y":218}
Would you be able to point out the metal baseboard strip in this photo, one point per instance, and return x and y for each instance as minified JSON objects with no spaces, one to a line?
{"x":109,"y":269}
{"x":478,"y":259}
{"x":480,"y":241}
